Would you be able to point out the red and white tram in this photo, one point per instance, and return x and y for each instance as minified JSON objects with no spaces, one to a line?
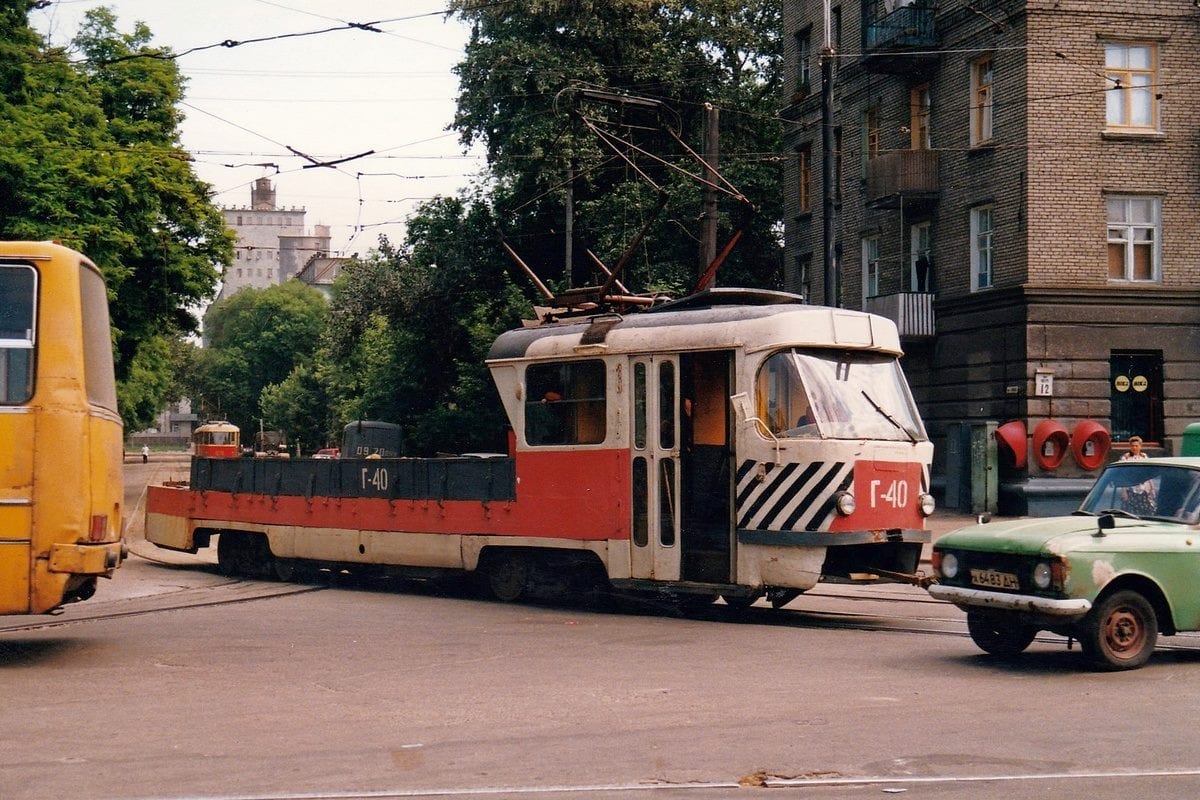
{"x":735,"y":443}
{"x":217,"y":439}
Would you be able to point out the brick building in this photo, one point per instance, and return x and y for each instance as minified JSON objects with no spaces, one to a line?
{"x":1017,"y":184}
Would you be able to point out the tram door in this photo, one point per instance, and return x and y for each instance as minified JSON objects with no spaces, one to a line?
{"x":655,"y":467}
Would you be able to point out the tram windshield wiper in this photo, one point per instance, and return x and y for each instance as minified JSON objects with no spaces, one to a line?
{"x":911,"y":437}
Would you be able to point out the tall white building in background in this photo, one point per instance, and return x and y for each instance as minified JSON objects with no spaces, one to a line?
{"x":272,"y":245}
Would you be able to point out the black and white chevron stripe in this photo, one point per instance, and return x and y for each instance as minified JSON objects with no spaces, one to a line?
{"x":790,"y":497}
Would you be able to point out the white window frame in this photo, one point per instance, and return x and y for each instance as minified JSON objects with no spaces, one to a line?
{"x":983,"y":247}
{"x":870,"y":266}
{"x":982,"y":99}
{"x":1125,"y":232}
{"x":1130,"y":85}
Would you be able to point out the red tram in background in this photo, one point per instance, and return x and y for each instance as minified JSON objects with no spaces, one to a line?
{"x":217,"y":439}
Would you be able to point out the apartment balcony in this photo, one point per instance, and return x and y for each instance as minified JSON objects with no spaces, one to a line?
{"x":902,"y":178}
{"x":903,"y":42}
{"x":911,"y":311}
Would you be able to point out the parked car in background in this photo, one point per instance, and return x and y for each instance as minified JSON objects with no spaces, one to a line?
{"x":327,"y":452}
{"x":1121,"y":570}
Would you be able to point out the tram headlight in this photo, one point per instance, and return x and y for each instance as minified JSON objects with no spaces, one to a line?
{"x":1042,"y":575}
{"x":845,"y":504}
{"x":949,"y":565}
{"x":926,"y":504}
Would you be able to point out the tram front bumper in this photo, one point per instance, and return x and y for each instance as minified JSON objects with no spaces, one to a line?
{"x":86,"y":559}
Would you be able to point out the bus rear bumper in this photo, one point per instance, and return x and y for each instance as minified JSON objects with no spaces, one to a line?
{"x":86,"y":559}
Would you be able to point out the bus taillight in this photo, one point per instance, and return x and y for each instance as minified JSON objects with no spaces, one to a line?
{"x":99,"y":528}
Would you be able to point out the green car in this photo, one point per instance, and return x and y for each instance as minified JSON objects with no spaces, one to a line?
{"x":1119,"y":571}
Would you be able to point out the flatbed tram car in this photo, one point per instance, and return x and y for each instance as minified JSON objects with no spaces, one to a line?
{"x":60,"y":434}
{"x":734,"y":443}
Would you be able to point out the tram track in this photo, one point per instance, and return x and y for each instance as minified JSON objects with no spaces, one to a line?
{"x":229,"y":592}
{"x":894,"y":611}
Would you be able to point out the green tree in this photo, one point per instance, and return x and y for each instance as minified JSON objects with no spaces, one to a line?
{"x":409,"y":330}
{"x":256,"y":339}
{"x":90,"y":155}
{"x":299,"y":405}
{"x":522,"y":64}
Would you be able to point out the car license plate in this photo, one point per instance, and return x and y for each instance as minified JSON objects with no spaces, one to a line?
{"x":995,"y":580}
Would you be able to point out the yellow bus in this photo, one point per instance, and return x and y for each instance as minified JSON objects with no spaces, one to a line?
{"x":60,"y":433}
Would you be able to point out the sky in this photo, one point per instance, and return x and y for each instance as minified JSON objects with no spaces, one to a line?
{"x":330,"y":96}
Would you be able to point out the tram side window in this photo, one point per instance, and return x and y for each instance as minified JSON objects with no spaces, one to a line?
{"x":97,"y":340}
{"x":565,"y":403}
{"x":18,"y":307}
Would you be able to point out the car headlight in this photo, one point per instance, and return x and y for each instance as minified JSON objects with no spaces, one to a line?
{"x":926,"y":503}
{"x":949,"y":565}
{"x":846,"y":504}
{"x":1042,"y":575}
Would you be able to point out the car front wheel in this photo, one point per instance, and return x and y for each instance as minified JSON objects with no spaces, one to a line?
{"x":998,"y":634}
{"x":1120,"y":632}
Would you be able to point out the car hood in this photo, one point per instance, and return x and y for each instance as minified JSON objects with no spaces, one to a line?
{"x":1048,"y":534}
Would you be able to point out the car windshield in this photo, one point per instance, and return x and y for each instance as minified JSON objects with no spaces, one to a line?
{"x":1146,"y":489}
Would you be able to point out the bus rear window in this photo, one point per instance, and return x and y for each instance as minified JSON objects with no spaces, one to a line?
{"x":18,"y":326}
{"x":97,"y":339}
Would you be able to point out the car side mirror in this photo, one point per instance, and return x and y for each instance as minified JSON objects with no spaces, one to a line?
{"x":1106,"y":522}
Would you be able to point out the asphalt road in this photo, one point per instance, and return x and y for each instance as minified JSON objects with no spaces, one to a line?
{"x":175,"y":682}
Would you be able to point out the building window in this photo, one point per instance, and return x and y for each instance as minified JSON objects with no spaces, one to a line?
{"x":1133,"y":236}
{"x":1131,"y":72}
{"x":870,"y":256}
{"x":803,"y":64}
{"x":801,"y":282}
{"x":804,"y":182}
{"x":981,"y":248}
{"x":981,"y":101}
{"x":919,"y":103}
{"x":922,"y":265}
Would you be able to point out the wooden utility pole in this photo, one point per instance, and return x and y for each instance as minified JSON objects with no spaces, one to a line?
{"x":829,"y":210}
{"x":712,"y":157}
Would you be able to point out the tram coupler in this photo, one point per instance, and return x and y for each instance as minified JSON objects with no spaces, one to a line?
{"x":915,"y":578}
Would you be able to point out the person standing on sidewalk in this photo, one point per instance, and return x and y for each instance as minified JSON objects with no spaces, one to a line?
{"x":145,"y":453}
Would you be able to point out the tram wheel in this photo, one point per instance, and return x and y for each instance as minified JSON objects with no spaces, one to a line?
{"x":244,"y":554}
{"x":507,"y":576}
{"x":229,"y":553}
{"x":285,"y":569}
{"x":739,"y":602}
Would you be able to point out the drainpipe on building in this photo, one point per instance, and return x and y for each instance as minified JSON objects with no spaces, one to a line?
{"x":827,"y":164}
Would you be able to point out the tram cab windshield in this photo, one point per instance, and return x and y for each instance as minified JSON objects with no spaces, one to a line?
{"x":816,"y":394}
